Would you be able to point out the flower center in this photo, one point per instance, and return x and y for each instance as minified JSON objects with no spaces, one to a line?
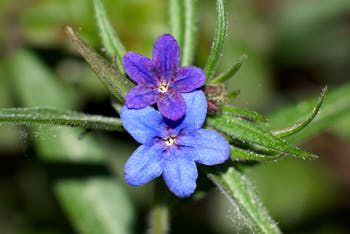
{"x":163,"y":87}
{"x":170,"y":140}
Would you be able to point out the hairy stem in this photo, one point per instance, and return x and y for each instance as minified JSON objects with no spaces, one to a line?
{"x":190,"y":32}
{"x":176,"y":20}
{"x":218,"y":43}
{"x":160,"y":211}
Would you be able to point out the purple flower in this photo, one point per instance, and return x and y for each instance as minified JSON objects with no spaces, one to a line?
{"x":161,"y":80}
{"x":172,"y":148}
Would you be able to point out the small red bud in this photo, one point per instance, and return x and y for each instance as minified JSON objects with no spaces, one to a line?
{"x":212,"y":107}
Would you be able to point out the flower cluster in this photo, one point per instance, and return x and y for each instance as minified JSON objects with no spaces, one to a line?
{"x":172,"y":139}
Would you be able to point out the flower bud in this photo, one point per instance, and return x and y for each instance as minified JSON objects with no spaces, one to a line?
{"x":216,"y":96}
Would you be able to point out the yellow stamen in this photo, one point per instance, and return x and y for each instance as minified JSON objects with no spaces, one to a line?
{"x":163,"y":87}
{"x":170,"y":140}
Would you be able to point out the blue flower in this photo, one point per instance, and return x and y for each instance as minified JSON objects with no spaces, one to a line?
{"x":172,"y":148}
{"x":161,"y":80}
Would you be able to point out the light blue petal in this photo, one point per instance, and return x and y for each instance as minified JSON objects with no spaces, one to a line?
{"x":143,"y":124}
{"x":179,"y":172}
{"x":144,"y":164}
{"x":205,"y":146}
{"x":196,"y":111}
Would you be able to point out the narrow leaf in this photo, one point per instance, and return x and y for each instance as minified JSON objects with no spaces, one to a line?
{"x":239,"y":129}
{"x":218,"y":44}
{"x":35,"y":85}
{"x":234,"y":94}
{"x":177,"y":20}
{"x":52,"y":116}
{"x":110,"y":39}
{"x":117,"y":84}
{"x":238,"y":154}
{"x":117,"y":106}
{"x":230,"y":72}
{"x":301,"y":125}
{"x":239,"y":190}
{"x":244,"y":197}
{"x":97,"y":205}
{"x":335,"y":106}
{"x":250,"y":115}
{"x":94,"y":205}
{"x":28,"y":78}
{"x":190,"y":33}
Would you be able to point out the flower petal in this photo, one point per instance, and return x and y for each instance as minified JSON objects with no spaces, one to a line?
{"x":140,"y":69}
{"x":166,"y":56}
{"x":172,"y":107}
{"x":188,"y":79}
{"x":179,"y":172}
{"x":140,"y":97}
{"x":205,"y":146}
{"x":144,"y":164}
{"x":196,"y":111}
{"x":143,"y":124}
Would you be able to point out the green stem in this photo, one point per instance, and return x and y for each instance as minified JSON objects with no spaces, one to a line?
{"x":190,"y":32}
{"x":160,"y":211}
{"x":218,"y":44}
{"x":110,"y":39}
{"x":177,"y":20}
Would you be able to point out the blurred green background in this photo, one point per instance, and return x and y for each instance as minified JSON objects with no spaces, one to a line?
{"x":294,"y":48}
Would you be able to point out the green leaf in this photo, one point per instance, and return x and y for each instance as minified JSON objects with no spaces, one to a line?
{"x":251,"y":115}
{"x":52,"y":116}
{"x":117,"y":106}
{"x":218,"y":44}
{"x":233,"y":94}
{"x":238,"y":154}
{"x":117,"y":84}
{"x":190,"y":32}
{"x":230,"y":72}
{"x":334,"y":107}
{"x":177,"y":20}
{"x":110,"y":39}
{"x":239,"y":190}
{"x":242,"y":130}
{"x":97,"y":205}
{"x":34,"y":85}
{"x":301,"y":125}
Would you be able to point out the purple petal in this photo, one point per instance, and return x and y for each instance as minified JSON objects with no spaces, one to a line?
{"x":140,"y":97}
{"x":143,"y":124}
{"x":172,"y":107}
{"x":140,"y":69}
{"x":188,"y":79}
{"x":196,"y":111}
{"x":205,"y":146}
{"x":144,"y":164}
{"x":179,"y":172}
{"x":166,"y":56}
